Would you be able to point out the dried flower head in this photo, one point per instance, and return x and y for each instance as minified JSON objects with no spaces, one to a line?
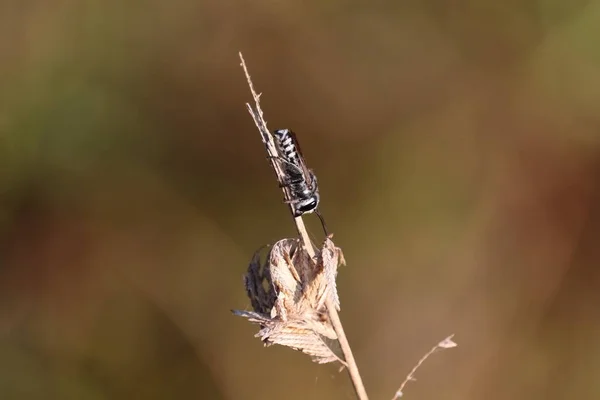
{"x":288,"y":294}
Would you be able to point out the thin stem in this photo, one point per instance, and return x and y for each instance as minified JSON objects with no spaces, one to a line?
{"x":257,"y":115}
{"x":444,"y":344}
{"x":334,"y":317}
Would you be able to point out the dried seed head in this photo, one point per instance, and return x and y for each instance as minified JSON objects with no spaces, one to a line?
{"x":288,"y":294}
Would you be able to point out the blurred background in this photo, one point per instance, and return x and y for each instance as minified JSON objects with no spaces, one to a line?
{"x":458,"y":154}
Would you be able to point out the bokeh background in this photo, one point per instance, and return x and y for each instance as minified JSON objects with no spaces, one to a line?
{"x":458,"y":154}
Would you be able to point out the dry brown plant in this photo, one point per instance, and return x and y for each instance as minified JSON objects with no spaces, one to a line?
{"x":293,"y":292}
{"x":288,"y":294}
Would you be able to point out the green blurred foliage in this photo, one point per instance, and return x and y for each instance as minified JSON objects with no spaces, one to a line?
{"x":457,"y":151}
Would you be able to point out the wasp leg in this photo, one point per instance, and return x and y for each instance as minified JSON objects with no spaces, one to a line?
{"x":286,"y":162}
{"x":287,"y":182}
{"x":293,"y":201}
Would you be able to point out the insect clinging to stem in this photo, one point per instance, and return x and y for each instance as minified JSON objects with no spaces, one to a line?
{"x":299,"y":182}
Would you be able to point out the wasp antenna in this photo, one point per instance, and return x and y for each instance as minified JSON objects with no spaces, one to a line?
{"x":322,"y":222}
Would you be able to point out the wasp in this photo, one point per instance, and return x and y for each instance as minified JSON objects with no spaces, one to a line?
{"x":299,"y":182}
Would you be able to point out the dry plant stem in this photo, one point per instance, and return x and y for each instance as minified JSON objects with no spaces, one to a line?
{"x":336,"y":323}
{"x":444,"y":344}
{"x":257,"y":115}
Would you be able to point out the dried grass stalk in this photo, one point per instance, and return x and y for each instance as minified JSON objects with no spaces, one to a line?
{"x":332,"y":308}
{"x":293,"y":293}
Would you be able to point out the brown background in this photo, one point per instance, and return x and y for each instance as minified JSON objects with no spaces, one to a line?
{"x":458,"y":154}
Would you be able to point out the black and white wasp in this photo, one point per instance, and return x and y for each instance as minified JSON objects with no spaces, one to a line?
{"x":299,"y":182}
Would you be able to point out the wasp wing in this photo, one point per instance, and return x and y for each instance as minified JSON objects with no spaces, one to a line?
{"x":306,"y":173}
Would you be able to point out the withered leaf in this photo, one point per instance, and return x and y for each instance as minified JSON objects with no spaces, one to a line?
{"x":288,"y":294}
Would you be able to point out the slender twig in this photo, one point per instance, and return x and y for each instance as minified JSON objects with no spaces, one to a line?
{"x":444,"y":344}
{"x":261,"y":124}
